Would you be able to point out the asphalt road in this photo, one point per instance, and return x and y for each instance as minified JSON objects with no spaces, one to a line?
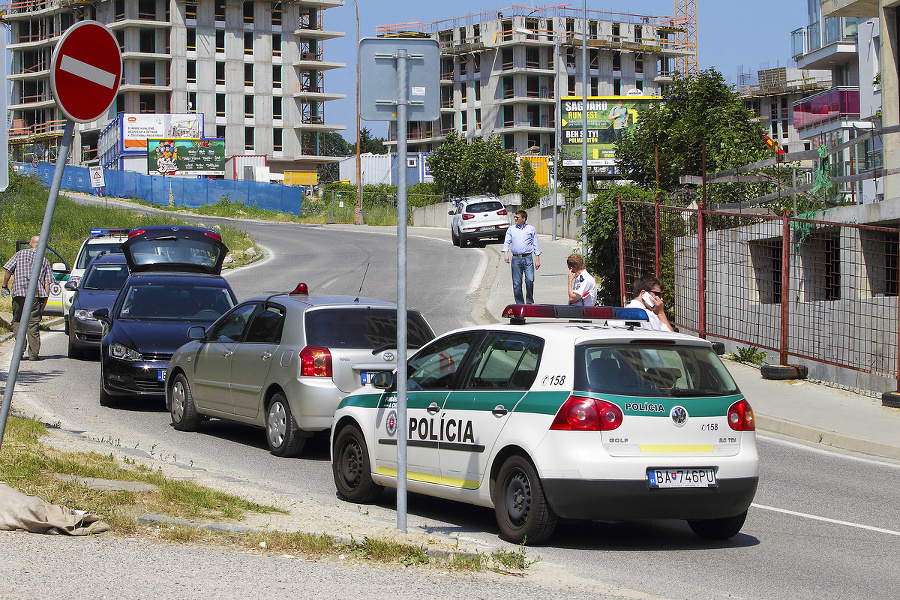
{"x":823,"y":525}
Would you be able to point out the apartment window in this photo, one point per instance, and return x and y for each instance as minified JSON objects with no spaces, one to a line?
{"x":880,"y":253}
{"x":277,"y":139}
{"x":147,"y":10}
{"x":476,"y":60}
{"x":192,"y":101}
{"x":276,"y":44}
{"x":477,"y":91}
{"x":190,"y":11}
{"x":276,"y":17}
{"x":220,"y":105}
{"x":595,"y":86}
{"x":617,"y":87}
{"x":463,"y":63}
{"x":220,"y":10}
{"x":147,"y":73}
{"x":248,"y":107}
{"x":248,"y":42}
{"x":571,"y":86}
{"x":463,"y":121}
{"x":639,"y":63}
{"x":616,"y":28}
{"x":462,"y":92}
{"x":120,"y":10}
{"x":765,"y":256}
{"x":594,"y":56}
{"x":820,"y":258}
{"x":220,"y":131}
{"x":248,"y":11}
{"x":147,"y":103}
{"x":248,"y":74}
{"x":220,"y":73}
{"x":477,"y":118}
{"x":639,"y":85}
{"x":276,"y":76}
{"x":509,"y":142}
{"x":617,"y":61}
{"x":276,"y":107}
{"x":248,"y":138}
{"x":147,"y":41}
{"x":220,"y":40}
{"x":120,"y":39}
{"x":191,"y":40}
{"x":192,"y":71}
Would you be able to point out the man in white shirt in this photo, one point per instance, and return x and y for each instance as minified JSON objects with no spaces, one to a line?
{"x":648,"y":295}
{"x":582,"y":287}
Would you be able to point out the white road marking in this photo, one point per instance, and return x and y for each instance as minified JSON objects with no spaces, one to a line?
{"x":478,"y":277}
{"x":86,"y":71}
{"x":826,"y":520}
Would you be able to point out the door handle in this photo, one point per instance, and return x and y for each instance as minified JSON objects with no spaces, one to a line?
{"x":499,"y":411}
{"x":433,"y":408}
{"x":266,"y":355}
{"x":228,"y":353}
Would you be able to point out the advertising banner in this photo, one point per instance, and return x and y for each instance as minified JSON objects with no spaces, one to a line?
{"x":608,"y":119}
{"x":180,"y":156}
{"x":138,"y":128}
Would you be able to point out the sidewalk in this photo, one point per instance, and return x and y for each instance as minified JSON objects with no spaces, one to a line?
{"x":798,"y":409}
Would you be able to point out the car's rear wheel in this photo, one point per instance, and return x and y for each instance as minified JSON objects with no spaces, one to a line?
{"x":351,"y":468}
{"x":522,"y":510}
{"x":73,"y":351}
{"x":718,"y":529}
{"x":282,"y":435}
{"x":183,"y":410}
{"x":454,"y":237}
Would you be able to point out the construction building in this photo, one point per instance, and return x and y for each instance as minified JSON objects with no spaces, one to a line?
{"x":503,"y":72}
{"x":253,"y":68}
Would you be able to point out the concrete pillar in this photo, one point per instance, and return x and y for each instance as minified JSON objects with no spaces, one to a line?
{"x":890,"y":92}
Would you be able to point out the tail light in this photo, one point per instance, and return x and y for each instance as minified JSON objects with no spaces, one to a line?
{"x":315,"y":362}
{"x":580,"y":413}
{"x":502,"y":213}
{"x":467,"y":216}
{"x":740,"y":416}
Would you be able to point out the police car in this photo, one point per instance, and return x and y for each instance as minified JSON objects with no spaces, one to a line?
{"x":566,"y":412}
{"x":100,"y":241}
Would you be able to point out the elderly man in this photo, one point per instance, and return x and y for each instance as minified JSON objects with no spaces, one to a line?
{"x":19,"y":269}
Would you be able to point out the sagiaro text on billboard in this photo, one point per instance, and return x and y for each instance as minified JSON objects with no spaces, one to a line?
{"x":609,"y":118}
{"x":186,"y":156}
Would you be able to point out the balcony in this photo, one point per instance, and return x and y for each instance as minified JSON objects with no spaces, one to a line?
{"x":815,"y":47}
{"x":865,"y":9}
{"x":838,"y":103}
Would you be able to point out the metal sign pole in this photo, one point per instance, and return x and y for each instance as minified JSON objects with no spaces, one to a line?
{"x":35,"y":274}
{"x":402,"y":76}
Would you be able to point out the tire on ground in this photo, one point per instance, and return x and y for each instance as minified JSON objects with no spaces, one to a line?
{"x":891,"y":399}
{"x":778,"y":372}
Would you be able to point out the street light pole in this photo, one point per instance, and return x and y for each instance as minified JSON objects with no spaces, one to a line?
{"x":357,"y":215}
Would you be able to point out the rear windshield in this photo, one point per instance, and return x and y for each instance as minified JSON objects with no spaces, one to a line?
{"x":174,"y":251}
{"x":481,"y":207}
{"x":175,"y":302}
{"x":652,"y":370}
{"x":92,"y":251}
{"x":106,"y":276}
{"x":364,"y":328}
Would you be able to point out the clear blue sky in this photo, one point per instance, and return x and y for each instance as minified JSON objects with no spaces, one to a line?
{"x":732,"y":34}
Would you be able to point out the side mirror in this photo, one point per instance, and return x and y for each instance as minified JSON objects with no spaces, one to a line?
{"x":71,"y":285}
{"x":102,"y":314}
{"x":383,"y":380}
{"x":197,"y":332}
{"x":451,"y":212}
{"x":59,"y":267}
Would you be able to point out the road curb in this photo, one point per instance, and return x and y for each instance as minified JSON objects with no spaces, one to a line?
{"x":825,"y":438}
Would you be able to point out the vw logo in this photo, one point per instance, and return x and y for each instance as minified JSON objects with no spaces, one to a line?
{"x":679,"y":415}
{"x":388,"y":356}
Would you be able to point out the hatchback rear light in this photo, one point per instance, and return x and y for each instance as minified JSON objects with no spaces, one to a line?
{"x":581,"y":413}
{"x":315,"y":362}
{"x":502,"y":213}
{"x":740,"y":416}
{"x":467,"y":216}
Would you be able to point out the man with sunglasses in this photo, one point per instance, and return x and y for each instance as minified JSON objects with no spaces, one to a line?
{"x":522,"y":243}
{"x":648,"y":295}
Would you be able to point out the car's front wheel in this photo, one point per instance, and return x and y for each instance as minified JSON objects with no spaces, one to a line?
{"x":282,"y":435}
{"x":105,"y":399}
{"x":351,"y":468}
{"x":718,"y":529}
{"x":183,"y":410}
{"x":72,"y":350}
{"x":522,"y":510}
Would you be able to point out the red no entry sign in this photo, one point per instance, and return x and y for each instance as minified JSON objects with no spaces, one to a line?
{"x":85,"y":71}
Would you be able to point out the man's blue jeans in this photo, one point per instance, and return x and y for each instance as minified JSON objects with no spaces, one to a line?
{"x":523,"y":265}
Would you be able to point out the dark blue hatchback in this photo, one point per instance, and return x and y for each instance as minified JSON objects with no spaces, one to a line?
{"x":175,"y":284}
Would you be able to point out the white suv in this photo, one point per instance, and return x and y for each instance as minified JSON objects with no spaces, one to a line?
{"x":587,"y":415}
{"x":477,"y":218}
{"x":101,"y":240}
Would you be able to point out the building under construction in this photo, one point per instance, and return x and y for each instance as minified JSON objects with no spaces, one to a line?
{"x":254,"y":70}
{"x":503,"y":72}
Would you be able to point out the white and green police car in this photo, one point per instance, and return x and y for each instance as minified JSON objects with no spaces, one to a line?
{"x":564,"y":412}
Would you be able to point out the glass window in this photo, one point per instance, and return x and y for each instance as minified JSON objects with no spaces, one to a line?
{"x":363,"y":328}
{"x":231,"y":328}
{"x":106,"y":277}
{"x":434,"y":367}
{"x":150,"y":301}
{"x":92,"y":251}
{"x":267,"y":325}
{"x":483,"y":207}
{"x":651,"y":370}
{"x":505,"y":361}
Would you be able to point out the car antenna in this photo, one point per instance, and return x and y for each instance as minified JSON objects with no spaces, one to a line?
{"x":361,"y":283}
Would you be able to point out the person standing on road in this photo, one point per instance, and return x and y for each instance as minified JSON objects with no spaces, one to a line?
{"x":582,"y":287}
{"x":19,"y":268}
{"x":648,"y":295}
{"x":521,"y":242}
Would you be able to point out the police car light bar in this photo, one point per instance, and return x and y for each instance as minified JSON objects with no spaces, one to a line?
{"x":110,"y":231}
{"x":555,"y":311}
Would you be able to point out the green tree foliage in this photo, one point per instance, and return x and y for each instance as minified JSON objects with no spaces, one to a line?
{"x":527,"y":186}
{"x":601,"y":229}
{"x":369,"y":144}
{"x":334,"y":145}
{"x":461,"y":169}
{"x":695,"y":109}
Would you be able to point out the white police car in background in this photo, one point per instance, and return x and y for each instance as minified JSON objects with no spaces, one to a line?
{"x":584,"y":415}
{"x":100,"y":241}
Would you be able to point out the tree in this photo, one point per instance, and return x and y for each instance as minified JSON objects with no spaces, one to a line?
{"x":461,"y":169}
{"x":695,"y":109}
{"x":368,"y":144}
{"x":333,"y":144}
{"x":527,"y":186}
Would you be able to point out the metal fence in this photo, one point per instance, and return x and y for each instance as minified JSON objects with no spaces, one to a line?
{"x":819,"y":291}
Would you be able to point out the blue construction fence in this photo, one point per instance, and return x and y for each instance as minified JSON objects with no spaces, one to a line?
{"x":175,"y":191}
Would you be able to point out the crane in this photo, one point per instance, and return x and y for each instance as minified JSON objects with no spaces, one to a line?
{"x":686,"y":36}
